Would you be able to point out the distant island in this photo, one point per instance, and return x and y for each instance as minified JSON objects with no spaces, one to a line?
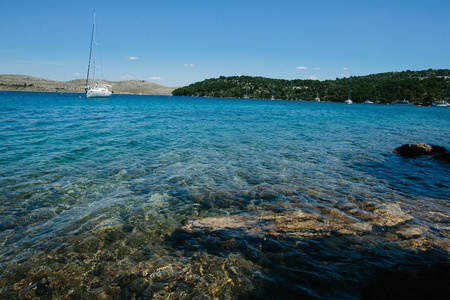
{"x":418,"y":87}
{"x":29,"y":83}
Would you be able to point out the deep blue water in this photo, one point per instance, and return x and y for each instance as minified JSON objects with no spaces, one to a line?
{"x":207,"y":197}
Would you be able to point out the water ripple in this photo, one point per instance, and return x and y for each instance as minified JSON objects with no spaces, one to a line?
{"x":170,"y":197}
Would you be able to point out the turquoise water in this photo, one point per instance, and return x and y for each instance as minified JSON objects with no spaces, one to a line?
{"x":178,"y":197}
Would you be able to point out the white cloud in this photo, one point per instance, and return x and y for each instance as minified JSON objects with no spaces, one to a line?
{"x":127,"y":77}
{"x":345,"y":69}
{"x":188,"y":65}
{"x":131,"y":57}
{"x":154,"y":78}
{"x":314,"y":77}
{"x":317,"y":68}
{"x":302,"y":68}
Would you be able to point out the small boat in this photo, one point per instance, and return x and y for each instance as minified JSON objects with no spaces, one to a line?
{"x":317,"y":99}
{"x":348,"y":101}
{"x":402,"y":102}
{"x":368,"y":102}
{"x":98,"y":89}
{"x":246,"y":92}
{"x":272,"y":98}
{"x":443,"y":103}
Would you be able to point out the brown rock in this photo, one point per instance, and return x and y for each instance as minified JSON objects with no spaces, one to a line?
{"x":417,"y":149}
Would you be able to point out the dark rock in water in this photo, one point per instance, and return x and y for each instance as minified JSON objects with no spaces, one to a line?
{"x":439,"y":149}
{"x":112,"y":290}
{"x":127,"y":228}
{"x":43,"y":288}
{"x":414,"y":150}
{"x":430,"y":282}
{"x":417,"y":149}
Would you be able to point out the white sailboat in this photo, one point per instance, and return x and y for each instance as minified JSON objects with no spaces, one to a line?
{"x":348,"y":101}
{"x":317,"y":99}
{"x":98,"y":89}
{"x":443,"y":103}
{"x":246,"y":91}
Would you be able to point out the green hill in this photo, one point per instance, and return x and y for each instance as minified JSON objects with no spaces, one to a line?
{"x":29,"y":83}
{"x":419,"y":87}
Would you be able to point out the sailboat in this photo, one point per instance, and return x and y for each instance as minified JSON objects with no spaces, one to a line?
{"x":98,"y":90}
{"x":272,"y":98}
{"x":444,"y":103}
{"x":317,"y":99}
{"x":348,"y":101}
{"x":246,"y":92}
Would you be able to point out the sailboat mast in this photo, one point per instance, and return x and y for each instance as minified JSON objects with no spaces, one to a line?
{"x":97,"y":89}
{"x":93,"y":34}
{"x":90,"y":52}
{"x":349,"y":87}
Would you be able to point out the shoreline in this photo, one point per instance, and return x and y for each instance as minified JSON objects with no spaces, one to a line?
{"x":209,"y":97}
{"x":34,"y":84}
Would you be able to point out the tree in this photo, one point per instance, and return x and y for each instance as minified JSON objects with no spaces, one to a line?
{"x":382,"y":88}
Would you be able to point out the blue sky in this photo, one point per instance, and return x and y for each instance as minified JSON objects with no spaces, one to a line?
{"x":176,"y":42}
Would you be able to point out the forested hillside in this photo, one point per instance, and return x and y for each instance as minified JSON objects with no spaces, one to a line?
{"x":419,"y":87}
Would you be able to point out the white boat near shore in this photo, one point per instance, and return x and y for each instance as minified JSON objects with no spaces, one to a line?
{"x":98,"y":89}
{"x":317,"y":99}
{"x":402,"y":102}
{"x":443,"y":103}
{"x":246,"y":92}
{"x":348,"y":101}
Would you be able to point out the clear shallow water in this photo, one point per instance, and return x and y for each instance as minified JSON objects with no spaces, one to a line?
{"x":168,"y":197}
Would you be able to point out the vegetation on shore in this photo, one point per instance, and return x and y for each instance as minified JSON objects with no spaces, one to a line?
{"x":29,"y":83}
{"x":419,"y":87}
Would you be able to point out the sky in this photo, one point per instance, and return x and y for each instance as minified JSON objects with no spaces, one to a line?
{"x":179,"y":42}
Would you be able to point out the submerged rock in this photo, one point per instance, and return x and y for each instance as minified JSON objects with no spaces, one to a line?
{"x":297,"y":223}
{"x":417,"y":149}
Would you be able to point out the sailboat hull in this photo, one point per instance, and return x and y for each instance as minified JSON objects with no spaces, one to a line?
{"x":98,"y":93}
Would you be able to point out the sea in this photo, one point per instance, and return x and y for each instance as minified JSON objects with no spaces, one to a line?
{"x":162,"y":197}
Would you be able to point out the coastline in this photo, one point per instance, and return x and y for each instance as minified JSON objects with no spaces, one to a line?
{"x":34,"y":84}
